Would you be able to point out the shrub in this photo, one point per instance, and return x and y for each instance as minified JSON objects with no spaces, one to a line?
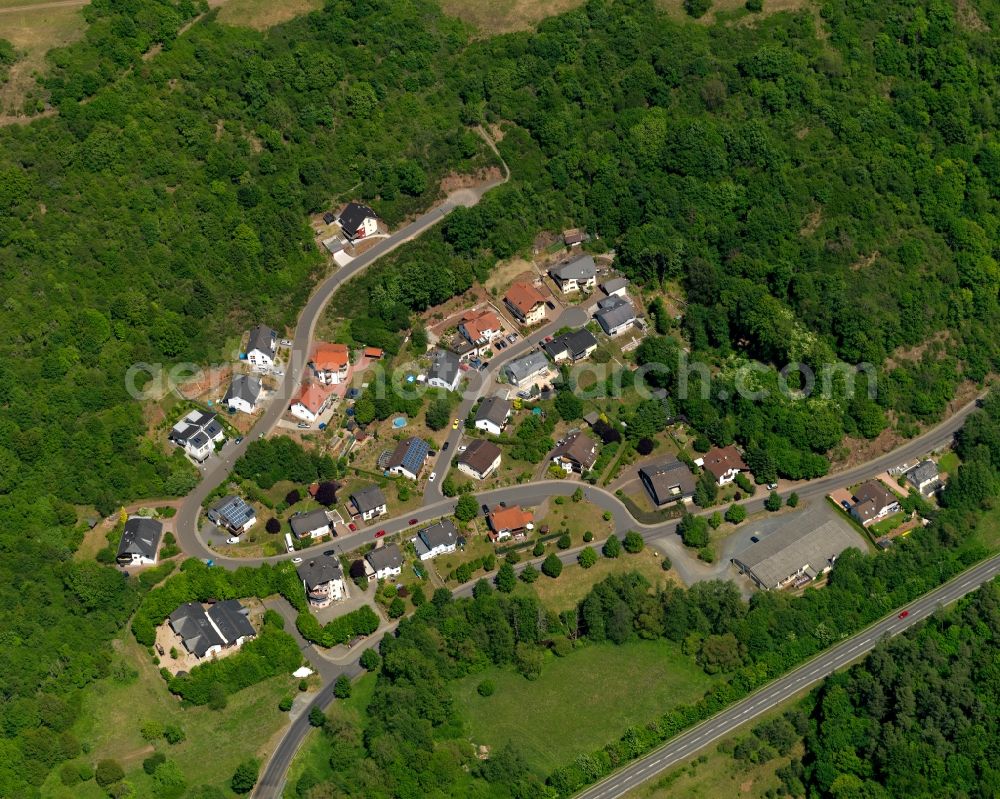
{"x":607,"y":516}
{"x":706,"y":554}
{"x":746,"y":484}
{"x":633,"y":542}
{"x":173,"y":734}
{"x":285,"y":704}
{"x":588,"y":537}
{"x":539,"y":549}
{"x":316,"y":717}
{"x":552,"y":566}
{"x":108,"y":772}
{"x":293,"y":496}
{"x":272,"y":526}
{"x":736,"y":514}
{"x":151,"y":731}
{"x":486,"y":688}
{"x":530,"y":574}
{"x":587,"y":557}
{"x":342,"y":687}
{"x":150,"y":763}
{"x":754,"y":5}
{"x":793,"y":500}
{"x":303,"y":686}
{"x":666,"y":564}
{"x":69,"y":774}
{"x":773,"y":501}
{"x":698,"y":9}
{"x":370,"y":660}
{"x":245,"y":776}
{"x":396,"y":608}
{"x":564,"y":542}
{"x":644,"y":446}
{"x":715,"y":520}
{"x":612,"y":547}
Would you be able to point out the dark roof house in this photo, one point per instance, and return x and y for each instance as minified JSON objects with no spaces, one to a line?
{"x":494,"y":410}
{"x":353,"y":217}
{"x":408,"y":457}
{"x":140,"y":540}
{"x":439,"y":534}
{"x":388,"y":557}
{"x":614,"y":313}
{"x":575,"y":345}
{"x":368,"y":499}
{"x":262,"y":339}
{"x":319,"y":571}
{"x":479,"y":456}
{"x":668,"y":481}
{"x":243,"y":387}
{"x":305,"y":523}
{"x":222,"y":625}
{"x":579,"y":450}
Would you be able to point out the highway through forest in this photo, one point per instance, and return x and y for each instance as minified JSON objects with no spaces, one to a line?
{"x":683,"y":746}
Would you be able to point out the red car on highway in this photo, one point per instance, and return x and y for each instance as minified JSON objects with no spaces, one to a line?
{"x":413,"y":521}
{"x":904,"y":614}
{"x":380,"y":533}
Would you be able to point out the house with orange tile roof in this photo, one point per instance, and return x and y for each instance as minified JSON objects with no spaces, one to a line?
{"x":525,"y":302}
{"x":330,"y":363}
{"x":310,"y":401}
{"x":507,"y":522}
{"x":480,"y":327}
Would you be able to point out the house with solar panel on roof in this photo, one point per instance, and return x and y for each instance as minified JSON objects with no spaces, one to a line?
{"x":408,"y":458}
{"x":198,"y":433}
{"x":233,"y":513}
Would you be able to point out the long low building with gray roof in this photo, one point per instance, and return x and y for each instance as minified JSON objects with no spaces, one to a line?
{"x":790,"y":555}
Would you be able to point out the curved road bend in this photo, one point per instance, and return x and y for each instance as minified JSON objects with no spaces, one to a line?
{"x":218,"y":471}
{"x":805,"y":676}
{"x":273,"y":779}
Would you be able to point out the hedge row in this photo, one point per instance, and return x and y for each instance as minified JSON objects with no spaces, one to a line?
{"x":196,"y":582}
{"x":363,"y":621}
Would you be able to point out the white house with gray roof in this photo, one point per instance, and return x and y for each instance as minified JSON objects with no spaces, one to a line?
{"x":312,"y":524}
{"x":924,"y":477}
{"x":369,"y":502}
{"x":139,"y":542}
{"x":206,"y":633}
{"x":492,"y":415}
{"x":523,"y":370}
{"x":198,"y":433}
{"x":615,"y":315}
{"x":243,"y":393}
{"x":323,"y":580}
{"x":438,"y":539}
{"x":579,"y":273}
{"x":445,"y":371}
{"x":262,"y":346}
{"x":384,"y":562}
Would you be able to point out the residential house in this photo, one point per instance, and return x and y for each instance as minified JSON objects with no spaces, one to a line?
{"x":232,"y":513}
{"x":323,"y":580}
{"x":480,"y":459}
{"x":357,"y":221}
{"x":873,"y":501}
{"x":668,"y":481}
{"x":577,"y":453}
{"x":464,"y":350}
{"x":262,"y":346}
{"x":522,"y":371}
{"x":384,"y":562}
{"x":576,"y":345}
{"x":492,"y":415}
{"x":924,"y":477}
{"x":438,"y":539}
{"x":243,"y":393}
{"x":507,"y":522}
{"x":480,"y":327}
{"x":575,"y":275}
{"x":723,"y":464}
{"x":139,"y":542}
{"x":445,"y":371}
{"x":310,"y":524}
{"x":373,"y":353}
{"x":615,"y":315}
{"x":330,"y":363}
{"x":408,"y":458}
{"x":198,"y":433}
{"x":574,"y":237}
{"x":525,"y":302}
{"x":206,"y":633}
{"x":616,"y":287}
{"x":309,"y":402}
{"x":369,"y":502}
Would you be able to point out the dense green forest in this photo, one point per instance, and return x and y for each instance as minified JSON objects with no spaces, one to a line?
{"x":412,"y":737}
{"x":164,"y":208}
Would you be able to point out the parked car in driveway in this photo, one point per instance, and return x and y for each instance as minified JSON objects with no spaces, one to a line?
{"x":296,"y":560}
{"x":512,"y":338}
{"x":433,"y":477}
{"x":303,"y":425}
{"x":380,"y":533}
{"x":352,"y":527}
{"x":232,"y":540}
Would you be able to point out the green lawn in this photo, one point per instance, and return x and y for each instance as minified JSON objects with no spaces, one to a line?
{"x":216,"y":742}
{"x":886,"y":526}
{"x":948,"y":463}
{"x":580,"y":702}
